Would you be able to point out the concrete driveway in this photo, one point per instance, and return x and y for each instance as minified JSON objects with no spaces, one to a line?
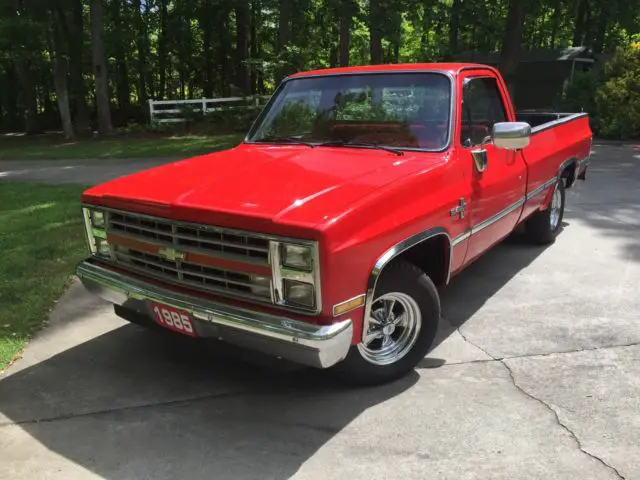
{"x":536,"y":375}
{"x":83,"y":172}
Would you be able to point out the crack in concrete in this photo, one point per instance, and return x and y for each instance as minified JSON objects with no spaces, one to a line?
{"x":547,"y":406}
{"x":534,"y":355}
{"x":107,"y":411}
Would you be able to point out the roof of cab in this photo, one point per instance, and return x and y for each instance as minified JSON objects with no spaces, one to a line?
{"x":413,"y":67}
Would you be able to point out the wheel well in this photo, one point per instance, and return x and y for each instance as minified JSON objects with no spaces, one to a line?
{"x":432,"y":257}
{"x":569,"y":174}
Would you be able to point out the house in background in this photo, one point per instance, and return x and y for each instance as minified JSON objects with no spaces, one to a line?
{"x":542,"y":75}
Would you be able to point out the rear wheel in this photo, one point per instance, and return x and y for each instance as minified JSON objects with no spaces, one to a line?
{"x":400,"y":329}
{"x":543,"y":227}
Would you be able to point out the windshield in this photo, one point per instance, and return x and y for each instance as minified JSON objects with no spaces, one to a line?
{"x":407,"y":110}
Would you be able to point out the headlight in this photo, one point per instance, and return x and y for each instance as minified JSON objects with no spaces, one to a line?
{"x":97,"y":218}
{"x":297,"y":256}
{"x":299,"y":293}
{"x":95,"y":228}
{"x":296,"y":275}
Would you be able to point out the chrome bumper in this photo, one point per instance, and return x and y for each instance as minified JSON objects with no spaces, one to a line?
{"x":316,"y":345}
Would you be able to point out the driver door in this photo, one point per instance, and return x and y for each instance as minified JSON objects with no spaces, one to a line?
{"x":498,"y":191}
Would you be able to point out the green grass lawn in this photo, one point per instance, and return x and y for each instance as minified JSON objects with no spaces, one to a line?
{"x":41,"y":240}
{"x":49,"y":147}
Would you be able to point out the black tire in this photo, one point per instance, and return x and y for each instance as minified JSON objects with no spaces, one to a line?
{"x":405,"y":278}
{"x":538,"y":228}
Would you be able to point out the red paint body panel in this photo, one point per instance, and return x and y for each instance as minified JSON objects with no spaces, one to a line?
{"x":357,"y":203}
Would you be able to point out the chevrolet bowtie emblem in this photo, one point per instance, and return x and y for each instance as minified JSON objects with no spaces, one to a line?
{"x":172,"y":254}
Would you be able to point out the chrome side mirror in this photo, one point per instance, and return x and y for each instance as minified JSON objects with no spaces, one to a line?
{"x":511,"y":135}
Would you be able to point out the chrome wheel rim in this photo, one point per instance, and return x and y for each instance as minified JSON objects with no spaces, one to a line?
{"x":556,"y":206}
{"x":393,"y":328}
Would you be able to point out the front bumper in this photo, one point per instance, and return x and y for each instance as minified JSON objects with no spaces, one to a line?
{"x":316,"y":345}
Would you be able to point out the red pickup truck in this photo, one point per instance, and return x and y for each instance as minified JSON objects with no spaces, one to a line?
{"x":324,"y":237}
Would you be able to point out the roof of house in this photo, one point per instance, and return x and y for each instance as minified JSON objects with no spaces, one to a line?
{"x":542,"y":55}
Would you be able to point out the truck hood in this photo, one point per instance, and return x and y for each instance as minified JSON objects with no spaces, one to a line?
{"x":295,"y":184}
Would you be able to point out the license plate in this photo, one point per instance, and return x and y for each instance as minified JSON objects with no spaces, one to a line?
{"x":173,"y":319}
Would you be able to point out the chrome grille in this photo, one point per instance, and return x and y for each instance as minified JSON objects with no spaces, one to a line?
{"x":199,"y":276}
{"x":204,"y":240}
{"x":221,"y":242}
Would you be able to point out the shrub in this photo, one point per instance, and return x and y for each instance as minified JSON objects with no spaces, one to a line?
{"x":618,"y":98}
{"x":580,"y":95}
{"x":230,"y":120}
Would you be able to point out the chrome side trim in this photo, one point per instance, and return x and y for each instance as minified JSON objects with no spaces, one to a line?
{"x":541,"y":188}
{"x":461,"y":238}
{"x":316,"y":345}
{"x":389,"y":255}
{"x":498,"y":216}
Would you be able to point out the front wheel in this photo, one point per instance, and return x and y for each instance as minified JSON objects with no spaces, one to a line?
{"x":400,"y":329}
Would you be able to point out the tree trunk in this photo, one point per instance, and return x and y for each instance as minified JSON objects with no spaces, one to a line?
{"x":100,"y":69}
{"x":122,"y":78}
{"x":555,"y":23}
{"x":511,"y":42}
{"x":225,"y":48}
{"x":162,"y":50}
{"x":578,"y":33}
{"x":333,"y":56}
{"x":333,"y":49}
{"x":206,"y":19}
{"x":284,"y":37}
{"x":255,"y":43}
{"x":10,"y":95}
{"x":242,"y":45}
{"x":76,"y":67}
{"x":62,"y":95}
{"x":375,"y":32}
{"x":588,"y":25}
{"x":149,"y":74}
{"x":453,"y":27}
{"x":58,"y":55}
{"x":345,"y":38}
{"x":141,"y":45}
{"x":601,"y":32}
{"x":29,"y":98}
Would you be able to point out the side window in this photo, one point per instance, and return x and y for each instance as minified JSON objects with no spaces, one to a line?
{"x":482,"y":106}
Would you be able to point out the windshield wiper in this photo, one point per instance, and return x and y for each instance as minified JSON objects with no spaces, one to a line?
{"x":341,"y":143}
{"x":284,"y":139}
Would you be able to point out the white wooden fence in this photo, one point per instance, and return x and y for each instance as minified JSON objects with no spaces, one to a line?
{"x":172,"y":111}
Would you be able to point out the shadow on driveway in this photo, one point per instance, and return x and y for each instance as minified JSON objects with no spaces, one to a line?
{"x":131,"y":403}
{"x":134,"y":403}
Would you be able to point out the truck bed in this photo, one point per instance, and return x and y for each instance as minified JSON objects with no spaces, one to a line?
{"x":543,"y":120}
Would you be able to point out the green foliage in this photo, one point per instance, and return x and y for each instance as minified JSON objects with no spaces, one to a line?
{"x":41,"y":241}
{"x":580,"y":94}
{"x":193,"y":50}
{"x":295,"y":118}
{"x":618,"y":98}
{"x":229,"y":120}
